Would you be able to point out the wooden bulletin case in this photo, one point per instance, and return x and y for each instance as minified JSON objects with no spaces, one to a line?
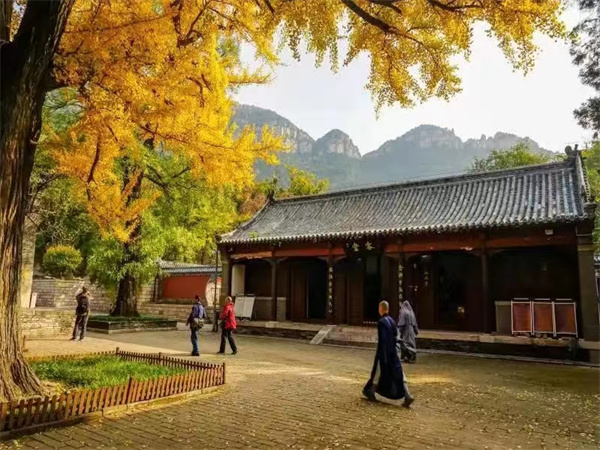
{"x":521,"y":319}
{"x":543,"y":317}
{"x":566,"y":322}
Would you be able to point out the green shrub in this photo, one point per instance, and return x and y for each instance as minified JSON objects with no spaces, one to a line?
{"x":61,"y":260}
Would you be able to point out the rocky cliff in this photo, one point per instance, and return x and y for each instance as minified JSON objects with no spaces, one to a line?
{"x":424,"y":151}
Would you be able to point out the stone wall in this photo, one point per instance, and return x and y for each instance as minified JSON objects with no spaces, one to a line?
{"x":27,"y":261}
{"x":146,"y":294}
{"x":57,"y":293}
{"x":171,"y":311}
{"x":37,"y":323}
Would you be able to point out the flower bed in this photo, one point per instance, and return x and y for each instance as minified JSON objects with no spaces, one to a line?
{"x":183,"y":376}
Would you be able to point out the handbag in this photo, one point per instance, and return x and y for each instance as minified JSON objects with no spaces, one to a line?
{"x":197,"y":323}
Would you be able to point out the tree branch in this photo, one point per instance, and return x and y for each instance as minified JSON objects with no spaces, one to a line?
{"x":452,"y":7}
{"x":388,"y":4}
{"x":268,"y":3}
{"x":90,"y":177}
{"x":158,"y":183}
{"x":370,"y":19}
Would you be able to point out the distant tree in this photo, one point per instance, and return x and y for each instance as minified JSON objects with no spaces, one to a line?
{"x":517,"y":156}
{"x":61,"y":260}
{"x":61,"y":217}
{"x":180,"y":224}
{"x":586,"y":55}
{"x":301,"y":182}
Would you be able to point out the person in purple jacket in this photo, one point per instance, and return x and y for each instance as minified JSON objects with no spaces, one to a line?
{"x":196,"y":322}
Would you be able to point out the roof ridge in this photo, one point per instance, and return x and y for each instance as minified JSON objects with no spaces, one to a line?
{"x":427,"y":181}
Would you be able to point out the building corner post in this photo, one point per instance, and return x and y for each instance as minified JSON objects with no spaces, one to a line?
{"x":274,"y":265}
{"x":225,"y":284}
{"x":485,"y":290}
{"x":588,"y":296}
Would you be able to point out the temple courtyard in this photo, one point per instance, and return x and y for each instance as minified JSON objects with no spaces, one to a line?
{"x":289,"y":394}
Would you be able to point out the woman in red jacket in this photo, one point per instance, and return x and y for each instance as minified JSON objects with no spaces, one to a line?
{"x":228,"y":326}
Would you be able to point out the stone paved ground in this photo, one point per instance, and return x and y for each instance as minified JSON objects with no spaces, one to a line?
{"x":287,"y":394}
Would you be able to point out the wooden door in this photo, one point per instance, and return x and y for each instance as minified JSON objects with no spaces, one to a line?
{"x":475,"y":298}
{"x":419,"y":291}
{"x":355,"y":291}
{"x":298,"y":284}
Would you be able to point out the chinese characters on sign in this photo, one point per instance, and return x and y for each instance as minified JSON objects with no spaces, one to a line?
{"x":358,"y":248}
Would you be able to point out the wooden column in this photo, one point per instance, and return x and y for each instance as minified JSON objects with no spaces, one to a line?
{"x":225,"y":286}
{"x":330,"y":305}
{"x":588,"y":301}
{"x":225,"y":275}
{"x":400,"y":279}
{"x":274,"y":263}
{"x":485,"y":293}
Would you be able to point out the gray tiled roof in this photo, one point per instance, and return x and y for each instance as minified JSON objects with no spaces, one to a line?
{"x":533,"y":195}
{"x":173,"y":267}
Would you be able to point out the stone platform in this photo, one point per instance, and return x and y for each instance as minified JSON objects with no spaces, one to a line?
{"x":452,"y":341}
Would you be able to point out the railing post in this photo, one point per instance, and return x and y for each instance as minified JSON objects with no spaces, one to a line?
{"x":223,"y":372}
{"x":160,"y":358}
{"x":117,"y":351}
{"x":128,"y":391}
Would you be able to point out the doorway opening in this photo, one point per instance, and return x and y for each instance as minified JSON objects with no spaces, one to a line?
{"x":307,"y":288}
{"x":317,"y":291}
{"x":372,"y":287}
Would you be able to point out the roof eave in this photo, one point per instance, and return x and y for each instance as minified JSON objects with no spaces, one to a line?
{"x":406,"y":231}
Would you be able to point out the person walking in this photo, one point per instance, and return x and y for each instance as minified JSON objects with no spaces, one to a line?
{"x":407,"y":326}
{"x":82,"y":313}
{"x":228,"y":326}
{"x":196,"y":322}
{"x":391,"y":382}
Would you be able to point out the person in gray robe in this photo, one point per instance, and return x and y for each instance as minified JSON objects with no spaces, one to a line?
{"x":407,"y":326}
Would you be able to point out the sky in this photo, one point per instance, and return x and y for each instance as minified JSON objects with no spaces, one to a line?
{"x":494,"y":98}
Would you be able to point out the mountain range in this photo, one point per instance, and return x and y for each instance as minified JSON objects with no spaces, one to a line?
{"x":423,"y":152}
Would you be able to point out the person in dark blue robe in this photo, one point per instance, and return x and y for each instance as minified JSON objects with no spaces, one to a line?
{"x":391,"y":383}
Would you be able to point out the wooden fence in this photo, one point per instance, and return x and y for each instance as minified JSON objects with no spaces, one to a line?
{"x":30,"y":412}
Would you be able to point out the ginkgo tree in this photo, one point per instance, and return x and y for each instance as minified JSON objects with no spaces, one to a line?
{"x":153,"y":74}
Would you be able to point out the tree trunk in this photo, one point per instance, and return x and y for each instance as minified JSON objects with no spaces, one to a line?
{"x":128,"y":285}
{"x":25,"y":65}
{"x":127,"y":297}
